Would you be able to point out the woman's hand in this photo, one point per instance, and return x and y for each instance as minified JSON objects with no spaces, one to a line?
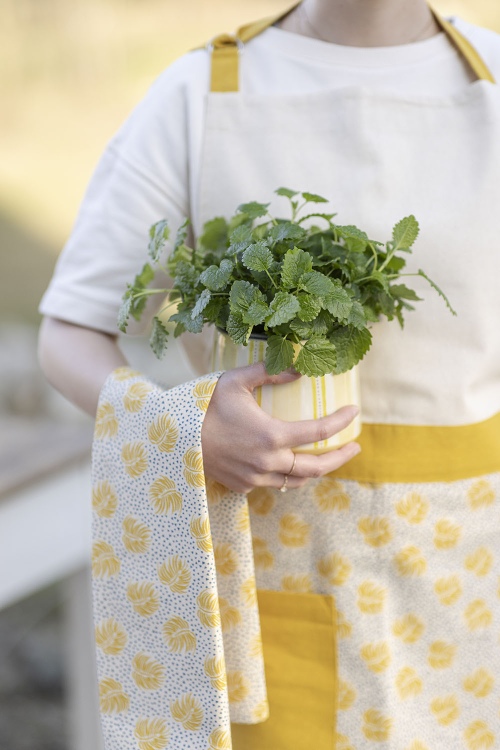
{"x":243,"y":447}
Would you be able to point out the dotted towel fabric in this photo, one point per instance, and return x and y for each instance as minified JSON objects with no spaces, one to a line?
{"x":179,"y":651}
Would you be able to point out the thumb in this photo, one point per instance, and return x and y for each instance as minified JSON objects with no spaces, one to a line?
{"x":255,"y":375}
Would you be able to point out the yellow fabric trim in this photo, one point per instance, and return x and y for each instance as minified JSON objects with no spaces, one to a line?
{"x":225,"y":51}
{"x":299,"y":637}
{"x":409,"y":453}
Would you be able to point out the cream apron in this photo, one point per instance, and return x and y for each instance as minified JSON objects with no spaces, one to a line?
{"x":404,"y":538}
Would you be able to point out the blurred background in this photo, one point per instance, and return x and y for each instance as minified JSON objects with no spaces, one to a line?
{"x":70,"y":72}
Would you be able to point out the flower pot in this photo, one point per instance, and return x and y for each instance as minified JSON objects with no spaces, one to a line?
{"x":305,"y":398}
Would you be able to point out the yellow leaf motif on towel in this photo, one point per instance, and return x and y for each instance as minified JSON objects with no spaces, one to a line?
{"x":125,"y":373}
{"x":202,"y":393}
{"x":410,"y":561}
{"x":441,"y":654}
{"x":237,"y":687}
{"x":136,"y":396}
{"x":409,"y":628}
{"x":335,"y":568}
{"x":297,"y":584}
{"x":448,"y":589}
{"x":135,"y":459}
{"x":256,"y":649}
{"x":261,"y":711}
{"x":376,"y":727}
{"x":104,"y":561}
{"x":446,"y":710}
{"x":412,"y":507}
{"x":106,"y":423}
{"x":347,"y":695}
{"x":480,"y":683}
{"x":447,"y":534}
{"x":480,"y":562}
{"x":226,"y":561}
{"x":229,"y":616}
{"x":293,"y":531}
{"x":330,"y":495}
{"x":408,"y":683}
{"x":187,"y":711}
{"x":479,"y":736}
{"x":249,"y":592}
{"x":152,"y":734}
{"x":147,"y":673}
{"x":478,"y":615}
{"x":175,"y":574}
{"x":193,"y":468}
{"x":110,"y":637}
{"x":417,"y":745}
{"x":164,"y":433}
{"x":377,"y":656}
{"x":112,"y":698}
{"x":371,"y":597}
{"x":178,"y":635}
{"x":208,"y":609}
{"x":243,"y":519}
{"x":215,"y":491}
{"x":136,"y":535}
{"x":480,"y":495}
{"x":164,"y":496}
{"x":263,"y":557}
{"x":219,"y":740}
{"x":342,"y":742}
{"x":215,"y":669}
{"x":261,"y":501}
{"x":143,"y":598}
{"x":376,"y":531}
{"x":104,"y":500}
{"x":200,"y":530}
{"x":344,"y":627}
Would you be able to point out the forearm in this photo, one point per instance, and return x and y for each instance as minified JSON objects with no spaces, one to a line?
{"x":76,"y":360}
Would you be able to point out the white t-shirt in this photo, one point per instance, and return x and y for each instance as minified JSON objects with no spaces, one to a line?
{"x":150,"y":169}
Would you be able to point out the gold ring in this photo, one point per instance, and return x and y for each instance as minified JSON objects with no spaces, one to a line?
{"x":283,"y":487}
{"x":293,"y":465}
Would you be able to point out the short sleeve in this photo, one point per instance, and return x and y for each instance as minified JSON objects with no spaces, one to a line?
{"x":142,"y":177}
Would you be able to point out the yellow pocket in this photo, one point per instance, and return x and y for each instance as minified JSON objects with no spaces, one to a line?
{"x":300,"y":655}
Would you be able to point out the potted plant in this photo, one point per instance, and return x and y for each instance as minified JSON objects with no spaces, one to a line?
{"x":301,"y":291}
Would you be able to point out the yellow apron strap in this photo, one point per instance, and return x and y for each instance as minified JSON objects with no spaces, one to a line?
{"x":225,"y":50}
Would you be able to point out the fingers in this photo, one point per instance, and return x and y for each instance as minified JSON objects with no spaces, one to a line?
{"x":316,"y":430}
{"x":255,"y":375}
{"x":312,"y":467}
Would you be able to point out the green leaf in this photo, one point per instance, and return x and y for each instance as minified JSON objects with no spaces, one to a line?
{"x":395,"y":264}
{"x":316,"y":358}
{"x":182,"y":234}
{"x":381,"y":279}
{"x":286,"y":192}
{"x":237,"y":329}
{"x":184,"y":316}
{"x":351,"y":345}
{"x":186,"y":278}
{"x":201,"y":303}
{"x":296,"y":262}
{"x":159,"y":234}
{"x":438,"y":290}
{"x":286,"y":230}
{"x":317,"y":283}
{"x":279,"y":355}
{"x":283,"y":308}
{"x":313,"y":198}
{"x":216,"y":278}
{"x":159,"y":338}
{"x":310,"y":307}
{"x":405,"y":233}
{"x":357,"y":315}
{"x":124,"y":313}
{"x":348,"y":231}
{"x":258,"y":257}
{"x":253,"y":210}
{"x":213,"y":310}
{"x":338,"y":302}
{"x":214,"y":235}
{"x":242,"y":295}
{"x":403,"y":292}
{"x":257,"y":312}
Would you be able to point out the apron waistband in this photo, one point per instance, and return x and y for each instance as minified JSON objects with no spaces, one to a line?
{"x":225,"y":51}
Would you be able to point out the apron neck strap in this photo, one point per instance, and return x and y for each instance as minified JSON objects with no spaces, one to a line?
{"x":225,"y":51}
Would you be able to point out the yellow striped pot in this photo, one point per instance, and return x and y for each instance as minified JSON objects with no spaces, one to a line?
{"x":305,"y":398}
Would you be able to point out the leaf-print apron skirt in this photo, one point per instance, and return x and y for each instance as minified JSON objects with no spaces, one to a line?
{"x":379,"y":585}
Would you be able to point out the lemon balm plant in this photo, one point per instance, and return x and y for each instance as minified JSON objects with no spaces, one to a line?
{"x":311,"y":287}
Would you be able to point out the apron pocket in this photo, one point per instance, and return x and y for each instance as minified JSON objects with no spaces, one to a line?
{"x":299,"y":636}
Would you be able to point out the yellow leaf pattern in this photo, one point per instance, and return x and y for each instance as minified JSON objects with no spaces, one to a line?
{"x":193,"y":468}
{"x":215,"y":669}
{"x":446,"y":710}
{"x":202,"y":393}
{"x":110,"y":637}
{"x":344,"y":627}
{"x":104,"y":560}
{"x":377,"y":656}
{"x":330,"y":495}
{"x":215,"y":492}
{"x":230,"y":616}
{"x":208,"y":609}
{"x":261,"y":501}
{"x":249,"y":592}
{"x":376,"y":531}
{"x":200,"y":530}
{"x":447,"y":534}
{"x":106,"y":423}
{"x":147,"y":673}
{"x":480,"y":562}
{"x":143,"y":598}
{"x":478,"y":736}
{"x":175,"y":574}
{"x":347,"y":695}
{"x":104,"y":500}
{"x":293,"y":531}
{"x":164,"y":496}
{"x":124,"y":373}
{"x":261,"y":711}
{"x":376,"y":726}
{"x":413,"y":507}
{"x":136,"y":535}
{"x":409,"y":628}
{"x":164,"y":433}
{"x":256,"y":649}
{"x":480,"y":495}
{"x":237,"y":687}
{"x":441,"y":654}
{"x":480,"y":683}
{"x":243,"y":519}
{"x":342,"y":742}
{"x":408,"y":683}
{"x":112,"y":698}
{"x":417,"y":745}
{"x":410,"y":561}
{"x":262,"y":556}
{"x":136,"y":396}
{"x":135,"y":459}
{"x":226,"y":560}
{"x":335,"y":568}
{"x":371,"y":597}
{"x":448,"y":589}
{"x":219,"y":740}
{"x":178,"y":635}
{"x":152,"y":734}
{"x":187,"y":711}
{"x":478,"y":615}
{"x":298,"y":584}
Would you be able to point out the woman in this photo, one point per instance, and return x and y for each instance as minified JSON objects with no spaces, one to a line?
{"x":373,"y":104}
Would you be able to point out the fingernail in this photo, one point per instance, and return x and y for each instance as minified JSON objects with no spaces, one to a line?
{"x":354,"y":411}
{"x":356,"y":449}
